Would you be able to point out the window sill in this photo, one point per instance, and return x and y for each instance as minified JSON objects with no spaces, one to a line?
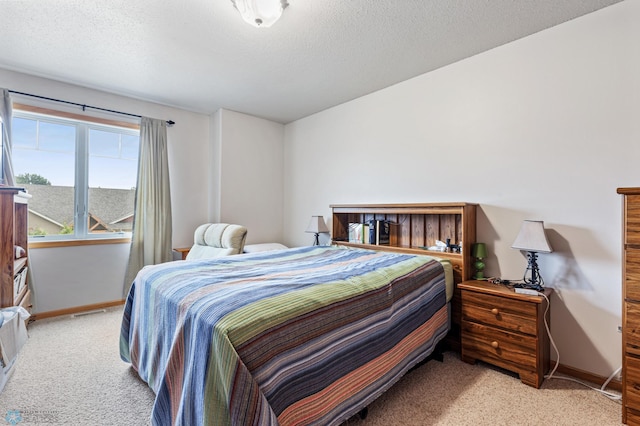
{"x":73,"y":243}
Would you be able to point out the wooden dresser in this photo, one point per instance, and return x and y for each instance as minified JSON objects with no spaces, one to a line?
{"x":631,"y":306}
{"x":14,"y":288}
{"x":505,"y":329}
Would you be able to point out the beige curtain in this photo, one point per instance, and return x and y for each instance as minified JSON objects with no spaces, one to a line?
{"x":7,"y":178}
{"x":6,"y":111}
{"x":151,"y":238}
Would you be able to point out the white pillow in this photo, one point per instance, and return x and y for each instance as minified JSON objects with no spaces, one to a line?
{"x":255,"y":248}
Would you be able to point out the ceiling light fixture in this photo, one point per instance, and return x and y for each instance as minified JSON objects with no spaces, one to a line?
{"x":260,"y":13}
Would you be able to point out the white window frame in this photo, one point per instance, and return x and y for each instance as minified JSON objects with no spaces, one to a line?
{"x":81,"y":183}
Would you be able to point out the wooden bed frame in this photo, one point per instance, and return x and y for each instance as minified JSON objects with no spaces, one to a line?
{"x":421,"y":323}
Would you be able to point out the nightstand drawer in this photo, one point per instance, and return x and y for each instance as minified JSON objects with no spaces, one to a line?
{"x":499,"y":347}
{"x":505,"y":313}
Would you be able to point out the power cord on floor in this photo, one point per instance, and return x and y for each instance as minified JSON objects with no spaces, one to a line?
{"x":611,"y":395}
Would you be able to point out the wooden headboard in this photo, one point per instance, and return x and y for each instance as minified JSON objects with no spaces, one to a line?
{"x":415,"y":227}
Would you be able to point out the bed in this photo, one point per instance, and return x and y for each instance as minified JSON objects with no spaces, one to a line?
{"x":302,"y":336}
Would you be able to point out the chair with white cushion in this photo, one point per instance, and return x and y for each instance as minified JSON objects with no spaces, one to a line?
{"x":216,"y":240}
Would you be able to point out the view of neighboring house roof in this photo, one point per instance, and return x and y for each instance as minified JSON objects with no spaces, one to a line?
{"x":111,"y":208}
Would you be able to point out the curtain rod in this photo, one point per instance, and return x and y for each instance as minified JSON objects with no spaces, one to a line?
{"x":84,"y":107}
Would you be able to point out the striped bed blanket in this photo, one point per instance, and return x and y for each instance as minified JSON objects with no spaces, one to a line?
{"x":303,"y":336}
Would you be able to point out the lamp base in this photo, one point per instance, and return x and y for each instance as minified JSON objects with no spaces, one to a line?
{"x":479,"y":267}
{"x":535,"y":282}
{"x":316,"y":241}
{"x":530,"y":285}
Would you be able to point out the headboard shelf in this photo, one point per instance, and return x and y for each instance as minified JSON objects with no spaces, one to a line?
{"x":414,"y":226}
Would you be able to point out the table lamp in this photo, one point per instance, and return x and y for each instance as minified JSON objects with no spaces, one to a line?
{"x":479,"y":252}
{"x":533,"y":240}
{"x":317,"y":226}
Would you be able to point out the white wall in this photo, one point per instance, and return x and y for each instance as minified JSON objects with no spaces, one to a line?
{"x":542,"y":128}
{"x":247,"y":175}
{"x":67,"y":277}
{"x":77,"y":276}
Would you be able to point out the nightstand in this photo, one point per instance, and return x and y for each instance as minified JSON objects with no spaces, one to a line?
{"x":183,"y":252}
{"x":505,"y":329}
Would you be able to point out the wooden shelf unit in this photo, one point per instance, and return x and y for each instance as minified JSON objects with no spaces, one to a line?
{"x":415,"y":226}
{"x":14,"y":231}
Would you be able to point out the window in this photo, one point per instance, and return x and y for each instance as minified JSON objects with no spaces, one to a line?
{"x":82,"y":176}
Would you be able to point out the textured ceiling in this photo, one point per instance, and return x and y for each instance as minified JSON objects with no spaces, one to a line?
{"x":201,"y":56}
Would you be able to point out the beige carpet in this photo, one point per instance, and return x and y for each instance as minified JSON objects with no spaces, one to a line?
{"x":70,"y":373}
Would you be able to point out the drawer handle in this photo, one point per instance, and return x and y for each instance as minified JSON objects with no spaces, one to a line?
{"x":495,"y":344}
{"x":495,"y":311}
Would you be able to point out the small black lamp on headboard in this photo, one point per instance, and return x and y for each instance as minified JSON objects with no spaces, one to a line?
{"x":317,"y":226}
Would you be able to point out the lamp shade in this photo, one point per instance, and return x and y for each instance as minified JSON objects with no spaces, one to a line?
{"x":532,"y":238}
{"x":317,"y":225}
{"x":260,"y":13}
{"x":479,"y":251}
